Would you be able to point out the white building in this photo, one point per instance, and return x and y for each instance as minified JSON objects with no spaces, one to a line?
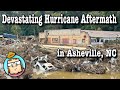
{"x":99,"y":37}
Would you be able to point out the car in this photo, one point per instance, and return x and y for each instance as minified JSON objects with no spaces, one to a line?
{"x":48,"y":66}
{"x":41,"y":64}
{"x":44,"y":67}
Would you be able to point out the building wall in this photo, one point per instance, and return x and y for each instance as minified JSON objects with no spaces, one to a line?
{"x":76,"y":36}
{"x":51,"y":41}
{"x":42,"y":35}
{"x":77,"y":40}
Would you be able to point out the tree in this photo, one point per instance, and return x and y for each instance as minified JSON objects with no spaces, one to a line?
{"x":1,"y":28}
{"x":16,"y":29}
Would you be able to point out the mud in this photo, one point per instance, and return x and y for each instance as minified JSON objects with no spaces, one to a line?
{"x":76,"y":75}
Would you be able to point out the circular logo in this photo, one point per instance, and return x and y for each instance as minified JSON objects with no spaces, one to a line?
{"x":14,"y":65}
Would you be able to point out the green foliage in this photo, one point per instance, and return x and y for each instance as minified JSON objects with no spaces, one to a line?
{"x":1,"y":28}
{"x":15,"y":29}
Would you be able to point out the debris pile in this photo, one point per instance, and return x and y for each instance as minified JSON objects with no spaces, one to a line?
{"x":41,"y":59}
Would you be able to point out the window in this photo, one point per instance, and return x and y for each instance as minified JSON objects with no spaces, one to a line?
{"x":50,"y":66}
{"x":37,"y":67}
{"x":43,"y":66}
{"x":65,"y":40}
{"x":42,"y":61}
{"x":83,"y":40}
{"x":55,"y":40}
{"x":101,"y":40}
{"x":92,"y":40}
{"x":98,"y":39}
